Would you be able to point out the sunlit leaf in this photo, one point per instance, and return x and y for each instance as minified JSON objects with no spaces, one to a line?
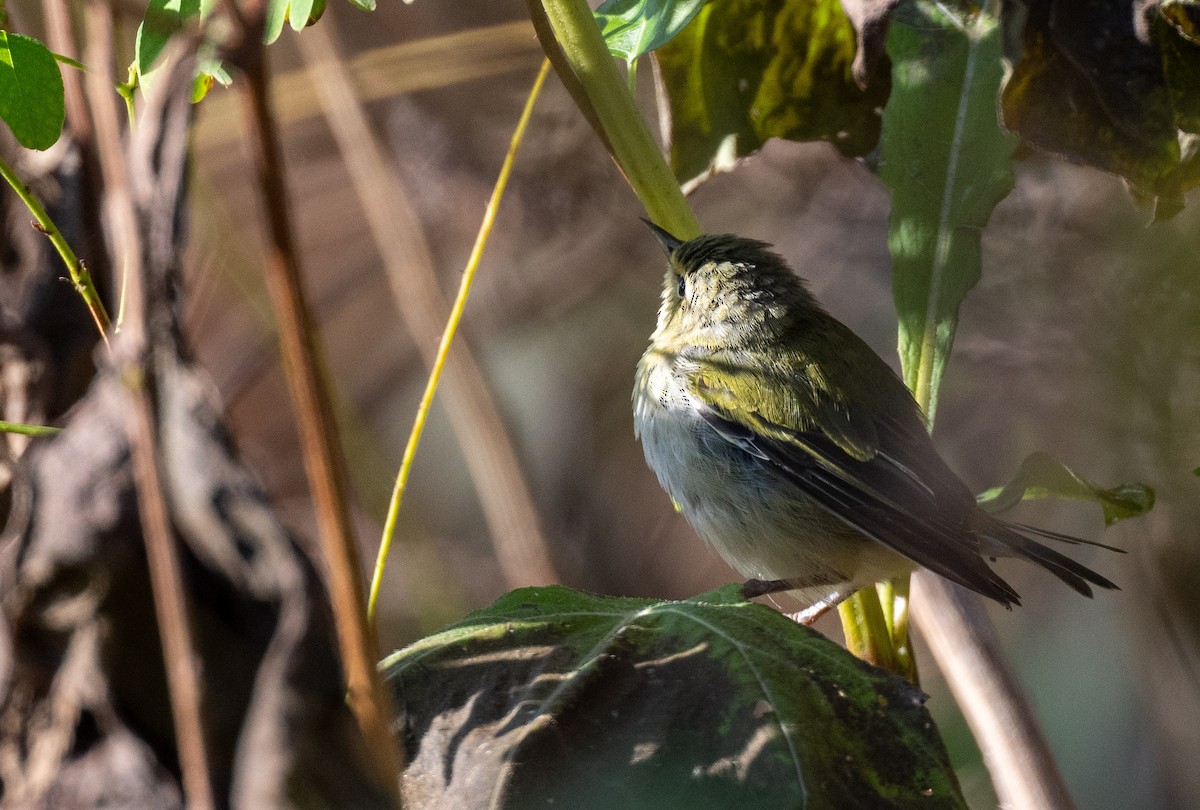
{"x":367,"y":5}
{"x":947,"y":163}
{"x":1042,"y":476}
{"x":556,"y":698}
{"x":744,"y":71}
{"x":635,"y":27}
{"x":316,"y":11}
{"x":31,"y":91}
{"x":164,"y":19}
{"x":276,"y":19}
{"x":209,"y":71}
{"x":298,"y":13}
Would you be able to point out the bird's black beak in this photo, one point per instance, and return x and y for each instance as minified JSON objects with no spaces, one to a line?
{"x":668,"y":242}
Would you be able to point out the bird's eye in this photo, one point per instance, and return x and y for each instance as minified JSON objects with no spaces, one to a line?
{"x":681,"y":287}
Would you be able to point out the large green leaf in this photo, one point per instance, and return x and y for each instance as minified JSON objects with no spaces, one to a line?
{"x":744,"y":71}
{"x":556,"y":698}
{"x":947,"y":163}
{"x":635,"y":27}
{"x":31,"y":91}
{"x":1043,"y":476}
{"x":1115,"y":86}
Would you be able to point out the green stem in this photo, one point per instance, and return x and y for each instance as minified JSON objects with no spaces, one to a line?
{"x":28,"y":430}
{"x":866,"y":629}
{"x":893,"y":598}
{"x":894,"y":594}
{"x":80,"y":278}
{"x":572,"y":40}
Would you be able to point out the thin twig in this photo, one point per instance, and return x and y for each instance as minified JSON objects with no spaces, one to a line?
{"x":80,"y":277}
{"x":170,"y":601}
{"x":968,"y":652}
{"x":521,"y":548}
{"x":456,"y":312}
{"x":314,"y":410}
{"x":61,"y":39}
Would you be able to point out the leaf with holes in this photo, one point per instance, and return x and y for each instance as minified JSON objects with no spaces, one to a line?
{"x":556,"y":698}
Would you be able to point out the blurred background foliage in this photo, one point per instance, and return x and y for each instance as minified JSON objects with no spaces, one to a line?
{"x":1082,"y":339}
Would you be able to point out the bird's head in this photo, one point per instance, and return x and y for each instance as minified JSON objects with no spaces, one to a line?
{"x":723,"y":291}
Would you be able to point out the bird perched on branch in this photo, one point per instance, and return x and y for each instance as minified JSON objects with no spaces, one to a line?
{"x":795,"y":450}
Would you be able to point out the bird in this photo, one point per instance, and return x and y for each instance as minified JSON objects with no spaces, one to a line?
{"x":794,"y":449}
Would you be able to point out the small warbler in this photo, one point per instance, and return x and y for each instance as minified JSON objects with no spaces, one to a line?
{"x":795,"y":450}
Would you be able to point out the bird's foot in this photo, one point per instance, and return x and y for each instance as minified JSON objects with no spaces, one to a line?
{"x":810,"y":614}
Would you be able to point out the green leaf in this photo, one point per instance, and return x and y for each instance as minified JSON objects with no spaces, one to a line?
{"x":164,"y":19}
{"x":276,"y":18}
{"x":634,"y":27}
{"x":209,"y":71}
{"x":31,"y":91}
{"x":298,"y":13}
{"x":1114,"y":85}
{"x":556,"y":698}
{"x":316,"y":11}
{"x":744,"y":71}
{"x":947,"y":163}
{"x":366,"y":5}
{"x":1042,"y":476}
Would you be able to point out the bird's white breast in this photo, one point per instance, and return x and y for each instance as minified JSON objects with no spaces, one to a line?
{"x":764,"y":526}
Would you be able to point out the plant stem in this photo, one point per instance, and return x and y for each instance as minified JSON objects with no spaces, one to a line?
{"x":866,"y":629}
{"x":893,"y":599}
{"x":135,"y":369}
{"x":456,"y":312}
{"x":312,"y":401}
{"x":28,"y":430}
{"x":80,"y":278}
{"x":968,"y":652}
{"x":572,"y":40}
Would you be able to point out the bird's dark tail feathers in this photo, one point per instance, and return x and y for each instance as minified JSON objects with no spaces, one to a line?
{"x":1014,"y":536}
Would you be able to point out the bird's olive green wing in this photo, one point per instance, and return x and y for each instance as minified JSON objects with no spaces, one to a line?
{"x":877,"y":473}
